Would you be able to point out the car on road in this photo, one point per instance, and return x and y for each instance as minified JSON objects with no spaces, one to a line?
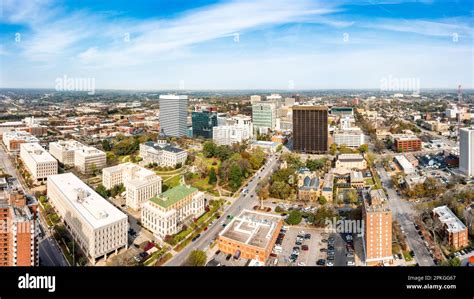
{"x":228,"y":257}
{"x":196,"y":237}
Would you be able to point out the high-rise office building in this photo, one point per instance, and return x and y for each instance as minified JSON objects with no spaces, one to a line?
{"x":377,"y":219}
{"x":173,"y":114}
{"x":310,"y":129}
{"x":203,"y":122}
{"x":19,"y":234}
{"x":264,"y":116}
{"x":466,"y":151}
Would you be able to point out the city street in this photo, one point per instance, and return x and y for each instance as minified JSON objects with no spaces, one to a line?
{"x":49,"y":253}
{"x":404,"y":215}
{"x":244,"y":201}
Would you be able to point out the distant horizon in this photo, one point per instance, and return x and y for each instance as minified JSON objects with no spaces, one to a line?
{"x":267,"y":90}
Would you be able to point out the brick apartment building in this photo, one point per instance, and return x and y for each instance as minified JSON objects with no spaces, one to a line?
{"x":455,"y":231}
{"x":377,"y":218}
{"x":407,"y":144}
{"x":20,"y":227}
{"x":250,"y":235}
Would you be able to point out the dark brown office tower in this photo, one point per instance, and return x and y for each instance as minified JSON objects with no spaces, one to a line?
{"x":310,"y":129}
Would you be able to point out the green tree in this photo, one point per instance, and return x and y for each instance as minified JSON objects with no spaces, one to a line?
{"x":364,"y":148}
{"x":106,"y":146}
{"x":315,"y":164}
{"x":212,"y":176}
{"x":196,"y":258}
{"x":294,"y":217}
{"x":209,"y":149}
{"x":352,"y":196}
{"x":102,"y":191}
{"x":322,"y":200}
{"x":235,"y":176}
{"x":333,"y":149}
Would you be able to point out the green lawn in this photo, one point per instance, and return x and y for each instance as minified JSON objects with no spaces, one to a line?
{"x":172,"y":181}
{"x":369,"y":181}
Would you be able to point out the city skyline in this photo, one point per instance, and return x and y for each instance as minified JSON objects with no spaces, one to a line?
{"x":285,"y":45}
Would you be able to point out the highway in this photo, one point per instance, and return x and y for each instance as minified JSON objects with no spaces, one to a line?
{"x":404,"y":215}
{"x":244,"y":201}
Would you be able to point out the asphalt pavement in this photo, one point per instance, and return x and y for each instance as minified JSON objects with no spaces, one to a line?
{"x":404,"y":213}
{"x":244,"y":201}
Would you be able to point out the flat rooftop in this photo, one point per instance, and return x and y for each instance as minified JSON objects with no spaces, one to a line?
{"x":67,"y":144}
{"x":93,"y":208}
{"x":350,"y":157}
{"x":252,"y":228}
{"x":447,"y":217}
{"x":37,"y":152}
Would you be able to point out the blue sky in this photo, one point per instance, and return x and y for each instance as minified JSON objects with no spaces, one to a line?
{"x":268,"y":44}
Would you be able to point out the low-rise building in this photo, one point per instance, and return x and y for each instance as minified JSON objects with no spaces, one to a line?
{"x":73,"y":153}
{"x":308,"y":186}
{"x":140,"y":183}
{"x":64,"y":150}
{"x":455,"y":231}
{"x":406,"y":143}
{"x":351,"y":138}
{"x":89,"y":159}
{"x":357,"y":179}
{"x":97,"y":226}
{"x":266,"y":146}
{"x":404,"y":164}
{"x":163,"y":155}
{"x":328,"y":187}
{"x":351,"y":161}
{"x":250,"y":235}
{"x":165,"y":214}
{"x":12,"y":140}
{"x":39,"y":163}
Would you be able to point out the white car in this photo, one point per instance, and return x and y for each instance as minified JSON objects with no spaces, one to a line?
{"x":329,"y":264}
{"x":301,"y":264}
{"x":350,"y":263}
{"x":301,"y":232}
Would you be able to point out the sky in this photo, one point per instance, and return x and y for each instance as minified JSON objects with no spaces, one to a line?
{"x":259,"y":44}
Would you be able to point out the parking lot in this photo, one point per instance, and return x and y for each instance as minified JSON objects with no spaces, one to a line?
{"x":312,"y":247}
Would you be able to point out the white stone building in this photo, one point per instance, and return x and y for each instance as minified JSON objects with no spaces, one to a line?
{"x":39,"y":163}
{"x":96,"y":225}
{"x":140,"y":183}
{"x":164,"y":155}
{"x":165,"y":214}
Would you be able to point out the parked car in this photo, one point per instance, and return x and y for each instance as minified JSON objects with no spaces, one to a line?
{"x":321,"y":262}
{"x":304,"y":247}
{"x":228,"y":257}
